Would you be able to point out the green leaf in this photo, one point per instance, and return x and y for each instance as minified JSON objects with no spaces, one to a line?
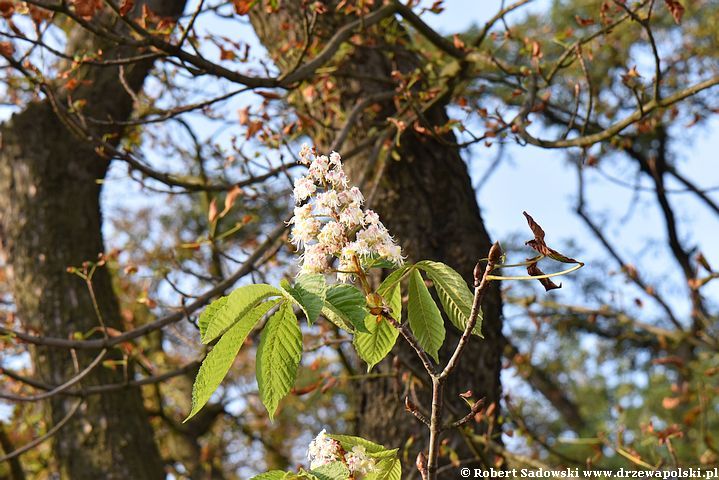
{"x":387,"y":469}
{"x":454,"y":294}
{"x":381,"y":336}
{"x":331,"y":471}
{"x":309,"y":293}
{"x":345,"y":307}
{"x":394,"y":278}
{"x":218,"y":362}
{"x":236,"y":305}
{"x":348,"y":442}
{"x":274,"y":475}
{"x":209,"y":313}
{"x":278,"y":357}
{"x":375,"y":261}
{"x":424,"y":317}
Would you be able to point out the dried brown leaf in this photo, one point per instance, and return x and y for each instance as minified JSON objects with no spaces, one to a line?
{"x":540,"y":246}
{"x":547,"y":283}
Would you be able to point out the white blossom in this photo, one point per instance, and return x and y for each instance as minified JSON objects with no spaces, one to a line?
{"x":328,"y":201}
{"x":337,"y":179}
{"x":356,"y":196}
{"x":304,"y":188}
{"x":358,"y":462}
{"x":315,"y":260}
{"x":371,"y":217}
{"x":323,"y":450}
{"x":305,"y":153}
{"x":319,"y":168}
{"x":347,"y":231}
{"x":336,"y":160}
{"x":304,"y":230}
{"x":352,"y":216}
{"x":346,"y":270}
{"x":332,"y":237}
{"x":392,"y":252}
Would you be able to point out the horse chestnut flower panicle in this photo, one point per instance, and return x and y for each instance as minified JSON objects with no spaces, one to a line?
{"x":324,"y":450}
{"x":330,"y":223}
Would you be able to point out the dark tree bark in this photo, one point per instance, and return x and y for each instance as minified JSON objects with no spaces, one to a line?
{"x":50,"y":219}
{"x":425,"y":198}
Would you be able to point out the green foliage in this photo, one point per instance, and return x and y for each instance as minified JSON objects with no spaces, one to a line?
{"x":233,"y":307}
{"x":233,"y":317}
{"x":212,"y":311}
{"x":274,"y":475}
{"x":278,"y":357}
{"x":425,"y":320}
{"x":348,"y":442}
{"x":219,"y":360}
{"x":387,"y":466}
{"x":454,"y":294}
{"x":373,"y":346}
{"x":387,"y":469}
{"x":309,"y":293}
{"x":331,"y":471}
{"x":345,"y":307}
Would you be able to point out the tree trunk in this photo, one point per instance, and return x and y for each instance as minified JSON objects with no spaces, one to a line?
{"x":425,"y":198}
{"x":50,"y":219}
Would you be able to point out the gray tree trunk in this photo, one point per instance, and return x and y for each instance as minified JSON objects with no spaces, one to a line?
{"x":50,"y":219}
{"x":425,"y":198}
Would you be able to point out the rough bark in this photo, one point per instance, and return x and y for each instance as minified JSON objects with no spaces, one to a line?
{"x":425,"y":198}
{"x":50,"y":219}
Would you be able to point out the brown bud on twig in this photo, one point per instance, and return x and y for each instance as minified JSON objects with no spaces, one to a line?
{"x":477,"y":274}
{"x":421,"y":463}
{"x":495,"y":253}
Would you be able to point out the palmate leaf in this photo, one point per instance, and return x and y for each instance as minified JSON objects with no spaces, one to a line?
{"x":278,"y":357}
{"x":308,"y":293}
{"x":454,"y":294}
{"x":220,"y":359}
{"x":424,"y":317}
{"x":275,"y":475}
{"x":372,"y":346}
{"x":386,"y":469}
{"x":330,"y":471}
{"x":345,"y":307}
{"x":219,"y":318}
{"x":373,"y":449}
{"x":210,"y":312}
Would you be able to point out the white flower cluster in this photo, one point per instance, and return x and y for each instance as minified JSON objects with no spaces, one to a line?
{"x":324,"y":450}
{"x":333,"y":224}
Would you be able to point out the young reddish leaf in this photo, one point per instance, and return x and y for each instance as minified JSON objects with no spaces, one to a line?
{"x":269,"y":95}
{"x":87,"y":8}
{"x":670,"y":403}
{"x":126,"y":6}
{"x":242,"y":7}
{"x":677,"y":10}
{"x":253,"y":128}
{"x":230,"y":199}
{"x":244,"y":114}
{"x":6,"y":9}
{"x":227,"y":54}
{"x":6,"y":49}
{"x":212,"y":211}
{"x":584,"y":22}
